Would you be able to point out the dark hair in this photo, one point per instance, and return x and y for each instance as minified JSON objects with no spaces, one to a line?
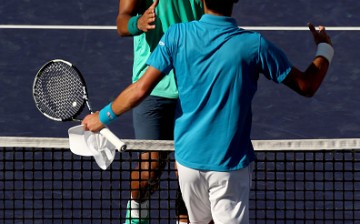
{"x":220,"y":6}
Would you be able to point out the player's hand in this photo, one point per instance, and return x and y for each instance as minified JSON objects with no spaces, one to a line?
{"x":320,"y":36}
{"x":92,"y":123}
{"x":146,"y":21}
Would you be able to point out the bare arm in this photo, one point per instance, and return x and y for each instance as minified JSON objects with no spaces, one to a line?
{"x":128,"y":98}
{"x":308,"y":82}
{"x":127,"y":9}
{"x":130,"y":8}
{"x":136,"y":92}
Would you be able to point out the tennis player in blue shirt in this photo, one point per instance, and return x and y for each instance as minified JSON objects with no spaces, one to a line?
{"x":217,"y":65}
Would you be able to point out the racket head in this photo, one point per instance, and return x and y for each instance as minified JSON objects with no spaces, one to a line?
{"x":59,"y":90}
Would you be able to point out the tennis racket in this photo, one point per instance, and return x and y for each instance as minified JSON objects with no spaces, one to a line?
{"x":60,"y":93}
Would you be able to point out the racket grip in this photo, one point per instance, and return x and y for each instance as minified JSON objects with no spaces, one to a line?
{"x":119,"y":145}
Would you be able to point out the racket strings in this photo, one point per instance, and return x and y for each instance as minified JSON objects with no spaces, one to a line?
{"x":59,"y":91}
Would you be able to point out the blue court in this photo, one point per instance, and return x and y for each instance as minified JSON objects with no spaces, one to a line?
{"x":105,"y":59}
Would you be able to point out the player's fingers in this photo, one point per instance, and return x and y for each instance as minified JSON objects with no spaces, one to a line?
{"x":155,"y":3}
{"x":322,"y":31}
{"x":150,"y":11}
{"x":312,"y":29}
{"x":151,"y":18}
{"x":152,"y":7}
{"x":145,"y":22}
{"x":323,"y":36}
{"x":92,"y":123}
{"x":315,"y":33}
{"x":149,"y":15}
{"x":150,"y":27}
{"x":84,"y":123}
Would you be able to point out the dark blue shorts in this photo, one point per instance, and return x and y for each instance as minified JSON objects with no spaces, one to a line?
{"x":153,"y":119}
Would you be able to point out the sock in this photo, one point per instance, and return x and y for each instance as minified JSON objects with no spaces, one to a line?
{"x":139,"y":210}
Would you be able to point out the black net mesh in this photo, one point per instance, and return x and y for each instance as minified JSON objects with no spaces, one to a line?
{"x":54,"y":186}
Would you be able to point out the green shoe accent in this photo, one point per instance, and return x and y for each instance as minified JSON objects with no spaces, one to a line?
{"x":130,"y":220}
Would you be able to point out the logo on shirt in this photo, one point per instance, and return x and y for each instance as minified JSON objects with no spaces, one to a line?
{"x":161,"y":43}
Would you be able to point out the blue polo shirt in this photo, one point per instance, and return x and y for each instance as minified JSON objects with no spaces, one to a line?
{"x":216,"y":66}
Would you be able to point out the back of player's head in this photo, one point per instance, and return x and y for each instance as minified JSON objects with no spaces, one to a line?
{"x":220,"y":6}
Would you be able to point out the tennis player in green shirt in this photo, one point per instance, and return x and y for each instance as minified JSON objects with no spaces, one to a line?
{"x":147,"y":21}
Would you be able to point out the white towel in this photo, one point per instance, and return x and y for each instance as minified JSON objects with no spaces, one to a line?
{"x":87,"y":143}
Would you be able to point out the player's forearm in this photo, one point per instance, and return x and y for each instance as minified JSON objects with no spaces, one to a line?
{"x":315,"y":74}
{"x":137,"y":91}
{"x":122,"y":25}
{"x":128,"y":99}
{"x":126,"y":22}
{"x":308,"y":82}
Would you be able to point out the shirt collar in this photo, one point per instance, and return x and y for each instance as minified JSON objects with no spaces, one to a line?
{"x":218,"y":20}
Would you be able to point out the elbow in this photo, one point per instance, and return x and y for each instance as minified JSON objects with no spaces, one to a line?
{"x":141,"y":91}
{"x":121,"y":28}
{"x":307,"y":91}
{"x":308,"y":94}
{"x":121,"y":32}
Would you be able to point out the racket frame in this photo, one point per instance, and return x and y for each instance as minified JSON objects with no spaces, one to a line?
{"x":84,"y":89}
{"x":119,"y":145}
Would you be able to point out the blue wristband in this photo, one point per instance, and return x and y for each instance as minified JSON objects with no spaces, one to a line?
{"x":132,"y":26}
{"x":107,"y":115}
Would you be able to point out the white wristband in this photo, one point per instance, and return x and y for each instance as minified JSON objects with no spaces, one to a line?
{"x":325,"y":50}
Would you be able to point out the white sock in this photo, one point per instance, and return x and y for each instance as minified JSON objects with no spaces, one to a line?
{"x":177,"y":222}
{"x":139,"y":210}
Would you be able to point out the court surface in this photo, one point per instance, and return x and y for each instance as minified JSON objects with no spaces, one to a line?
{"x":106,"y":60}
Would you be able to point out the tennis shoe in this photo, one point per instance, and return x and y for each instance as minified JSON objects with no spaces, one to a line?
{"x":135,"y":220}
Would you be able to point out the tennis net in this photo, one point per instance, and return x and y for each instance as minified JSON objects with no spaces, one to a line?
{"x":295,"y":181}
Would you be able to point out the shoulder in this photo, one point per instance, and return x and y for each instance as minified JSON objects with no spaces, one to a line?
{"x":179,"y":29}
{"x":250,"y":34}
{"x":256,"y":38}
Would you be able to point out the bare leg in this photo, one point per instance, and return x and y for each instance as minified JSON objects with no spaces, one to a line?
{"x":145,"y":177}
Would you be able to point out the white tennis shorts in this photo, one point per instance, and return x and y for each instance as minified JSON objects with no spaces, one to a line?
{"x":219,"y":196}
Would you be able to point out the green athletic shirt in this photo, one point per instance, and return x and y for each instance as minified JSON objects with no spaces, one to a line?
{"x":168,"y":12}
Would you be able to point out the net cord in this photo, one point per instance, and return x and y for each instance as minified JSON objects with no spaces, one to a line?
{"x":167,"y":145}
